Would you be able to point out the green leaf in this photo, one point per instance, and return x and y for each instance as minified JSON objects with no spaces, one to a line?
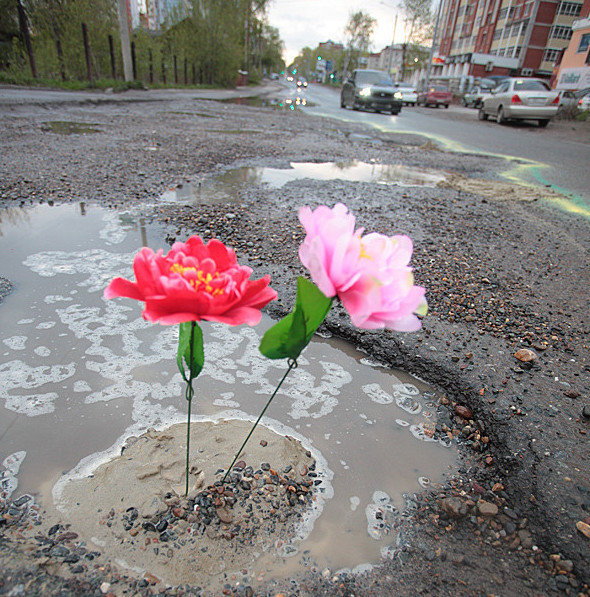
{"x":191,"y":356}
{"x":288,"y":337}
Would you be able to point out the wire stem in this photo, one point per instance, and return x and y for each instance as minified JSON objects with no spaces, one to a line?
{"x":292,"y":365}
{"x":189,"y":396}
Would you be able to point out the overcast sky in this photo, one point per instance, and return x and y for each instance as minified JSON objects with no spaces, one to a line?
{"x":309,"y":22}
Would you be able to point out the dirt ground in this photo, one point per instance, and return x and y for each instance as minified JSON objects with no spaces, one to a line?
{"x":504,"y":271}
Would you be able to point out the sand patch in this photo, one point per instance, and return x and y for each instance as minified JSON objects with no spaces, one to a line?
{"x":133,"y":509}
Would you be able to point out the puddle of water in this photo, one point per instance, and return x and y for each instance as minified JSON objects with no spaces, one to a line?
{"x":78,"y":372}
{"x":227,"y":186}
{"x":70,"y":128}
{"x":289,"y":103}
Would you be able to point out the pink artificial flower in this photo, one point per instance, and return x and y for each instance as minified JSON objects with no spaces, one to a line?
{"x":369,"y":274}
{"x":194,"y":282}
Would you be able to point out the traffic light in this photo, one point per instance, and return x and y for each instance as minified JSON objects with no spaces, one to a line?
{"x":319,"y":57}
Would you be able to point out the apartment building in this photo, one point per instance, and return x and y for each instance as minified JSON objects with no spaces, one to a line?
{"x":479,"y":38}
{"x":574,"y":70}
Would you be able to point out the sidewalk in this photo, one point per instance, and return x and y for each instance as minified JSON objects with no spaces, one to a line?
{"x":27,"y":96}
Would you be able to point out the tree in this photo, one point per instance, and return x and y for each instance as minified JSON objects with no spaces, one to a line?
{"x":358,"y":33}
{"x":417,"y":18}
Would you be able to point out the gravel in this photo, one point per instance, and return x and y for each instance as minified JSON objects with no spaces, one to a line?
{"x":501,"y":275}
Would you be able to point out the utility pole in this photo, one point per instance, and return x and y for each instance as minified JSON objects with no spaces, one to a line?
{"x":392,"y":45}
{"x":125,"y":44}
{"x":431,"y":53}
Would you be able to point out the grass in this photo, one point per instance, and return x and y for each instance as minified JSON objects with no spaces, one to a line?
{"x":101,"y":84}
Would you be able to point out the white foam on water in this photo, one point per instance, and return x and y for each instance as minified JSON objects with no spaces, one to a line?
{"x":42,"y":351}
{"x":8,"y":477}
{"x":377,"y":394}
{"x":16,"y":342}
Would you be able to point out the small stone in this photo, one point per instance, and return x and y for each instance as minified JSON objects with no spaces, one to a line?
{"x":525,"y":355}
{"x":497,"y":487}
{"x":586,"y":412}
{"x":104,"y":588}
{"x":224,"y":515}
{"x":487,"y":509}
{"x":565,"y":565}
{"x":454,"y":507}
{"x":572,"y":394}
{"x":584,"y":528}
{"x":263,"y":443}
{"x":133,"y":532}
{"x":463,"y":411}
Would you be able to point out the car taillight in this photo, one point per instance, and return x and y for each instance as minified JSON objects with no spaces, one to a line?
{"x":515,"y":99}
{"x":580,"y":102}
{"x":556,"y":100}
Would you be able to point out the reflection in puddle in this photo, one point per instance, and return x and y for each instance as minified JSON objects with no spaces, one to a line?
{"x":227,"y":186}
{"x":78,"y":372}
{"x":289,"y":103}
{"x":70,"y":128}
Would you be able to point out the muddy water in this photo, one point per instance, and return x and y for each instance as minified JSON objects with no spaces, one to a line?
{"x":78,"y":374}
{"x":227,"y":186}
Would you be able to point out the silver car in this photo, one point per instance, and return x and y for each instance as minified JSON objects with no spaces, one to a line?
{"x":521,"y":99}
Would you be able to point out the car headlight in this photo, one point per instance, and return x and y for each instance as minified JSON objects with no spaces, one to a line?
{"x":398,"y":95}
{"x":365,"y":91}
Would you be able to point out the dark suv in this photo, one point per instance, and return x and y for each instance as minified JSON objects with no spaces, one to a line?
{"x":371,"y":89}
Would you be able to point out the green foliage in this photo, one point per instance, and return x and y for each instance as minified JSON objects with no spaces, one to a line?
{"x":190,"y":357}
{"x":358,"y":32}
{"x":210,"y":40}
{"x":288,"y":337}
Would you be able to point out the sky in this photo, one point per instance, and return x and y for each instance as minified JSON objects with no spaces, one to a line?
{"x":309,"y":22}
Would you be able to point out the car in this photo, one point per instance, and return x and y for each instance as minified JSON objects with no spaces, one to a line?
{"x":301,"y":82}
{"x":473,"y":98}
{"x":435,"y":95}
{"x":274,"y":76}
{"x":371,"y":89}
{"x":409,"y":95}
{"x":521,"y":99}
{"x":583,"y":99}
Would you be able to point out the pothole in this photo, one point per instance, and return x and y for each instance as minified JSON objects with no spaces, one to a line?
{"x":70,"y":128}
{"x":287,"y":103}
{"x":80,"y":374}
{"x":227,"y":186}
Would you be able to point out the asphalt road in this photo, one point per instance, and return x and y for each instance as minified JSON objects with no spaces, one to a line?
{"x":556,"y":156}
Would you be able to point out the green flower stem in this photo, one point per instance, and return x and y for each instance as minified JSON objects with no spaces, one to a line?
{"x":292,"y":365}
{"x":189,"y":396}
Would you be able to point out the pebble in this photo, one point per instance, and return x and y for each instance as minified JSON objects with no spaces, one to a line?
{"x":487,"y":509}
{"x":584,"y":528}
{"x":463,"y":411}
{"x":454,"y":507}
{"x":525,"y":355}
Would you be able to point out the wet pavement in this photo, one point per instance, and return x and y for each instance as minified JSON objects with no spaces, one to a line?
{"x":501,"y":275}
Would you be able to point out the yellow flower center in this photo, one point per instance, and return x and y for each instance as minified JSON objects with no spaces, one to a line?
{"x":203,"y":280}
{"x":364,"y":254}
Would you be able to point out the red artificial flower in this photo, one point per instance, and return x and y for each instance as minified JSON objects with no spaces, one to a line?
{"x":193,"y":282}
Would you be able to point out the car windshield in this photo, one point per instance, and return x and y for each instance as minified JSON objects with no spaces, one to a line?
{"x":439,"y":88}
{"x":373,"y":78}
{"x":522,"y":85}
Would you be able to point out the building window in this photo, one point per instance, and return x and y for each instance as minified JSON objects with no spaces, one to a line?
{"x":497,"y":33}
{"x":570,"y":9}
{"x":551,"y":55}
{"x":584,"y":42}
{"x":561,"y":32}
{"x":518,"y":51}
{"x":502,"y":13}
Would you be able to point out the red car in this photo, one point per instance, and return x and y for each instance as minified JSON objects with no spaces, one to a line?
{"x":435,"y":95}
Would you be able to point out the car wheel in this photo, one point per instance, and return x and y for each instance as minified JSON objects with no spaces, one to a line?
{"x":355,"y":106}
{"x":395,"y":112}
{"x":446,"y":106}
{"x":481,"y":115}
{"x":501,"y":119}
{"x":342,"y":104}
{"x":543,"y":123}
